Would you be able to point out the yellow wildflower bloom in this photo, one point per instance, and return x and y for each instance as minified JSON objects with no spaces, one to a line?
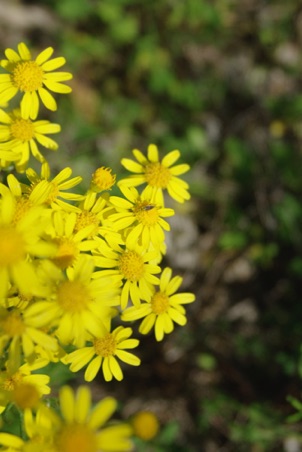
{"x":32,"y":77}
{"x":19,"y":331}
{"x":158,"y":175}
{"x":54,"y":189}
{"x":102,"y":179}
{"x":140,"y":218}
{"x":78,"y":426}
{"x":22,"y":387}
{"x":164,"y":307}
{"x":145,"y":425}
{"x":105,"y":348}
{"x":131,"y":265}
{"x":19,"y":242}
{"x":20,"y":136}
{"x":77,"y":305}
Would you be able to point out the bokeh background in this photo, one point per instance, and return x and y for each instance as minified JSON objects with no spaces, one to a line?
{"x":221,"y":81}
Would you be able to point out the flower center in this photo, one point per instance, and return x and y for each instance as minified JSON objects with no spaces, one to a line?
{"x":102,"y":179}
{"x":27,"y":76}
{"x":160,"y":303}
{"x":157,"y":175}
{"x":26,"y":395}
{"x":66,"y":253}
{"x":10,"y":383}
{"x":13,"y":324}
{"x":11,"y":246}
{"x":145,"y":425}
{"x":105,"y":346}
{"x":84,"y":219}
{"x":22,"y":207}
{"x":22,"y":129}
{"x":73,"y":296}
{"x":76,"y":437}
{"x":131,"y":265}
{"x":146,"y":213}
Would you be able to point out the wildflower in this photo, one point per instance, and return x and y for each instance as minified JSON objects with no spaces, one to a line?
{"x":54,"y":189}
{"x":131,"y":265}
{"x":20,"y":386}
{"x":102,"y":179}
{"x":157,"y":175}
{"x":77,"y":305}
{"x":164,"y":307}
{"x":144,"y":218}
{"x":105,"y":348}
{"x":19,"y":331}
{"x":32,"y":77}
{"x":20,"y":136}
{"x":19,"y":242}
{"x":78,"y":426}
{"x":145,"y":425}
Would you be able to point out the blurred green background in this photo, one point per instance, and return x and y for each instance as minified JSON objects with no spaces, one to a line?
{"x":221,"y":81}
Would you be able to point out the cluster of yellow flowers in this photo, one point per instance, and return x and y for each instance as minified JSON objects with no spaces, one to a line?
{"x":75,"y":268}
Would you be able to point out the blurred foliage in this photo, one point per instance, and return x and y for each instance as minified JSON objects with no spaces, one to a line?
{"x":221,"y":81}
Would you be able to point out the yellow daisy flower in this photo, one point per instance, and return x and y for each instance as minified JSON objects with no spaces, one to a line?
{"x":70,"y":244}
{"x":19,"y":243}
{"x":131,"y":265}
{"x":20,"y":136}
{"x":55,"y":188}
{"x":33,"y":78}
{"x":102,"y":179}
{"x":78,"y":426}
{"x":19,"y":332}
{"x":142,"y":220}
{"x":22,"y":387}
{"x":145,"y":425}
{"x":77,"y":306}
{"x":158,"y":175}
{"x":105,"y":348}
{"x":164,"y":308}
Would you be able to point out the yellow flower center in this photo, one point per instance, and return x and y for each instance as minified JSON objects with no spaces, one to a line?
{"x":102,"y":179}
{"x":160,"y":303}
{"x":105,"y":346}
{"x":84,"y":219}
{"x":66,"y":253}
{"x":54,"y":193}
{"x":73,"y":296}
{"x":10,"y":383}
{"x":22,"y":207}
{"x":12,"y":247}
{"x":26,"y":395}
{"x":76,"y":437}
{"x":157,"y":175}
{"x":145,"y":425}
{"x":27,"y":76}
{"x":146,"y":213}
{"x":131,"y":265}
{"x":13,"y":324}
{"x":22,"y":129}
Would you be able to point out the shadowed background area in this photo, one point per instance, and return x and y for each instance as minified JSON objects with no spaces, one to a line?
{"x":221,"y":81}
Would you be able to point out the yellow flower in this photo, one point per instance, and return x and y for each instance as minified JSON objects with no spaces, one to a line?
{"x":22,"y":387}
{"x":20,"y":242}
{"x":53,"y":190}
{"x":79,"y":426}
{"x":77,"y":306}
{"x":33,"y":78}
{"x":131,"y":265}
{"x":158,"y":175}
{"x":102,"y":179}
{"x":106,"y":347}
{"x":145,"y":425}
{"x":164,"y":308}
{"x":20,"y":136}
{"x":141,"y":219}
{"x":20,"y":331}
